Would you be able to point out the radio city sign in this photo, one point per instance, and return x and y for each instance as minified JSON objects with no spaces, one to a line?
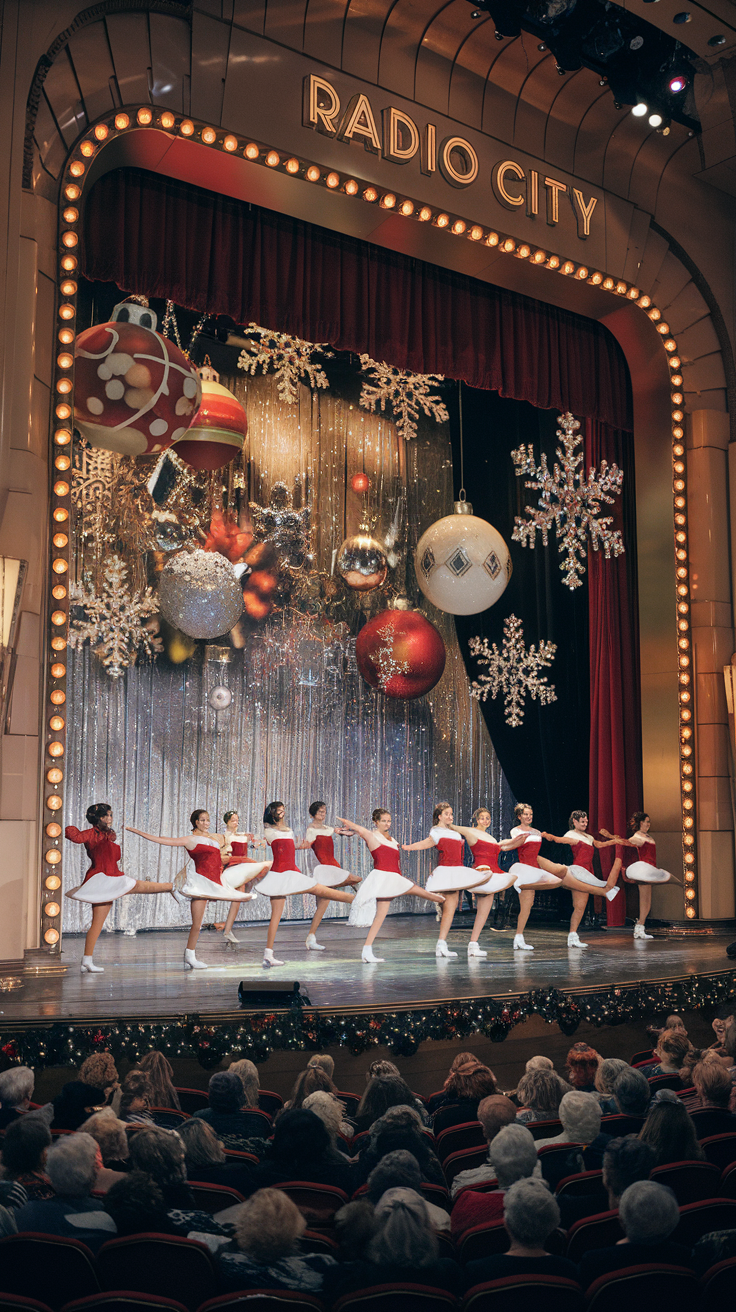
{"x":394,"y":135}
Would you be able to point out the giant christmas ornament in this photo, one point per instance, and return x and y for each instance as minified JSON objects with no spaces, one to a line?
{"x":200,"y":594}
{"x":400,"y":652}
{"x":462,"y":562}
{"x":217,"y":434}
{"x":361,"y":561}
{"x":135,"y":392}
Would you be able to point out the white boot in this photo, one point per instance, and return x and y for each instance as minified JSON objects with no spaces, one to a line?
{"x":313,"y":945}
{"x":229,"y":937}
{"x":269,"y":959}
{"x":88,"y":967}
{"x":367,"y":955}
{"x":612,"y":893}
{"x":520,"y":945}
{"x":475,"y":951}
{"x":442,"y":949}
{"x":573,"y":941}
{"x":190,"y":961}
{"x":640,"y":932}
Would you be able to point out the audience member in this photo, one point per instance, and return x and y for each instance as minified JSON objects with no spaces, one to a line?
{"x":723,"y":1016}
{"x":465,"y":1089}
{"x":580,"y":1115}
{"x":438,"y":1100}
{"x":670,"y":1054}
{"x":383,"y":1092}
{"x":248,"y":1075}
{"x":713,"y":1089}
{"x":161,"y":1154}
{"x":331,"y":1112}
{"x":582,"y":1066}
{"x":135,"y":1099}
{"x":671,"y":1133}
{"x":539,"y":1094}
{"x":71,"y":1165}
{"x":530,"y":1214}
{"x":268,"y":1227}
{"x":403,"y":1249}
{"x":605,"y":1078}
{"x":400,"y":1170}
{"x":205,"y":1158}
{"x":301,"y":1150}
{"x":493,"y":1113}
{"x":718,"y":1246}
{"x":112,"y":1141}
{"x":625,"y":1161}
{"x":513,"y":1156}
{"x":648,"y":1213}
{"x":355,"y":1226}
{"x":539,"y":1063}
{"x":324,"y":1062}
{"x":161,"y":1076}
{"x":631,"y":1094}
{"x":399,"y":1127}
{"x":99,"y":1071}
{"x":231,"y":1124}
{"x":312,"y":1080}
{"x":16,"y":1091}
{"x":75,"y":1103}
{"x":24,"y":1149}
{"x":137,"y":1206}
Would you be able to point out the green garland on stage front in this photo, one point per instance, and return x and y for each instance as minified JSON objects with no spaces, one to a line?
{"x":301,"y":1029}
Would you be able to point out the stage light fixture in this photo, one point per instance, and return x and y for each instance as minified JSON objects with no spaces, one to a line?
{"x":333,"y":180}
{"x":101,"y":131}
{"x":292,"y":165}
{"x":167,"y":119}
{"x":639,"y":109}
{"x":677,"y":84}
{"x":312,"y":174}
{"x":230,"y":143}
{"x":145,"y":116}
{"x":209,"y":136}
{"x":351,"y":187}
{"x":251,"y":151}
{"x":370,"y":194}
{"x":655,"y":120}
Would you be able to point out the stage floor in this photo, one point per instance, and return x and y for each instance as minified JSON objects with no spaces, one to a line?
{"x":144,"y":976}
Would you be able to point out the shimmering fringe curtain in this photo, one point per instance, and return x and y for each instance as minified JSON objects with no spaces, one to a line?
{"x":302,"y":723}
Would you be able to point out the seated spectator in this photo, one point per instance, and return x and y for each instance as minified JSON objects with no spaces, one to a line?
{"x":625,"y":1161}
{"x":161,"y":1155}
{"x":312,"y":1080}
{"x":16,"y":1091}
{"x":631,"y":1093}
{"x":670,"y":1054}
{"x":718,"y":1246}
{"x":539,"y":1094}
{"x":331,"y":1112}
{"x":530,"y":1214}
{"x":160,"y":1073}
{"x":605,"y":1078}
{"x":648,"y":1213}
{"x":137,"y":1206}
{"x":466,"y":1087}
{"x":582,"y":1067}
{"x":381,"y":1093}
{"x":439,"y":1099}
{"x":729,"y":1049}
{"x":301,"y":1150}
{"x":71,"y":1165}
{"x":721,"y":1020}
{"x":403,"y":1250}
{"x":324,"y":1062}
{"x":513,"y":1156}
{"x":205,"y":1158}
{"x":355,"y":1226}
{"x":671,"y":1133}
{"x":75,"y":1103}
{"x":400,"y":1170}
{"x":233,"y":1126}
{"x":248,"y":1076}
{"x":267,"y":1231}
{"x":580,"y":1114}
{"x":539,"y":1063}
{"x":672,"y":1022}
{"x":399,"y":1127}
{"x":713,"y":1090}
{"x":493,"y":1113}
{"x":99,"y":1071}
{"x":135,"y":1099}
{"x":112,"y":1141}
{"x":24,"y":1149}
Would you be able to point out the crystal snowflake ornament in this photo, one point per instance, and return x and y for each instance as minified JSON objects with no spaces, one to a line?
{"x":115,"y":622}
{"x":569,"y":503}
{"x":514,"y":671}
{"x":290,"y":358}
{"x":406,"y":393}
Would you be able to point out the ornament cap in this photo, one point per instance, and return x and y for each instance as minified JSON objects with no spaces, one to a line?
{"x":399,"y":603}
{"x":463,"y":508}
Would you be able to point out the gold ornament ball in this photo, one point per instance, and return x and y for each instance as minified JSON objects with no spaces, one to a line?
{"x":361,"y":563}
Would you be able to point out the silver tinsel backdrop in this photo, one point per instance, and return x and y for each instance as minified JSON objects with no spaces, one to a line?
{"x":302,"y":724}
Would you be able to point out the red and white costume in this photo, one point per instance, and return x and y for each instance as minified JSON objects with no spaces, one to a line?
{"x":582,"y":859}
{"x":104,"y":881}
{"x":208,"y":879}
{"x":450,"y":875}
{"x":525,"y":870}
{"x":283,"y":878}
{"x":644,"y":869}
{"x":328,"y":870}
{"x":235,"y":853}
{"x":384,"y":881}
{"x":485,"y":857}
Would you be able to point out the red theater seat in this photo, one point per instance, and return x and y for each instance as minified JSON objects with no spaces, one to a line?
{"x":642,"y":1288}
{"x":544,"y":1129}
{"x":350,"y":1101}
{"x":698,"y":1219}
{"x":720,"y":1149}
{"x":317,"y":1202}
{"x":727,"y":1186}
{"x":168,"y":1117}
{"x":17,"y":1303}
{"x":169,"y":1265}
{"x":647,"y":1054}
{"x":583,"y":1182}
{"x":691,"y":1182}
{"x":124,"y":1300}
{"x":719,"y":1285}
{"x":553,"y":1293}
{"x":214,"y":1198}
{"x":465,"y":1160}
{"x":483,"y":1241}
{"x":264,"y":1300}
{"x":408,"y":1297}
{"x":192,"y":1100}
{"x":49,"y":1268}
{"x":270,"y":1102}
{"x":456,"y":1137}
{"x":590,"y":1232}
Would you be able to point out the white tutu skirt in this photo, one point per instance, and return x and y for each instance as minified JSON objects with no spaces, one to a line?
{"x":235,"y":876}
{"x":641,"y":872}
{"x":526,"y":876}
{"x":379,"y":883}
{"x":449,"y":879}
{"x":282,"y":883}
{"x":495,"y":883}
{"x":331,"y":876}
{"x":199,"y":886}
{"x":102,"y":888}
{"x":586,"y":876}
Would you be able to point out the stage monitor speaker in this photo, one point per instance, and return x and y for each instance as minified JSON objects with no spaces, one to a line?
{"x":275,"y":994}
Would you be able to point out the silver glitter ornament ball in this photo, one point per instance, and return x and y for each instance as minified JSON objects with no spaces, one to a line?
{"x":220,"y":698}
{"x":361,"y":562}
{"x":199,"y":594}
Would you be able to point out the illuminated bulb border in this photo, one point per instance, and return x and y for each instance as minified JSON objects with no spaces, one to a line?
{"x":415,"y":211}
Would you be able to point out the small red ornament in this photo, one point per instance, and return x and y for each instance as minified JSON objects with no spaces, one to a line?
{"x":217,"y":433}
{"x":224,"y":536}
{"x":360,"y":482}
{"x":400,"y":652}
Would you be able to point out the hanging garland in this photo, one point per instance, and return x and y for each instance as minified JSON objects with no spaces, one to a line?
{"x":258,"y":1035}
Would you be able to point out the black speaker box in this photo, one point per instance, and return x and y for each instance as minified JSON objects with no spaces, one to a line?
{"x":276,"y":994}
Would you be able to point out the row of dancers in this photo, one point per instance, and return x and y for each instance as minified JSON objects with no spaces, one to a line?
{"x":223,"y":871}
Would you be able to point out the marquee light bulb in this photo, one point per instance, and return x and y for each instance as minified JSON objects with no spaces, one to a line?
{"x":639,"y":109}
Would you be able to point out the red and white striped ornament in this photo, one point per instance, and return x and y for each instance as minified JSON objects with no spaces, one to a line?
{"x":217,"y":432}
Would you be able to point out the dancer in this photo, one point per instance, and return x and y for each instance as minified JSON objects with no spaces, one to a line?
{"x":484,"y":849}
{"x":234,"y":851}
{"x":449,"y":875}
{"x":104,"y":882}
{"x":583,"y":845}
{"x":383,"y":883}
{"x":283,"y":878}
{"x":206,"y":883}
{"x":328,"y":870}
{"x":643,"y":872}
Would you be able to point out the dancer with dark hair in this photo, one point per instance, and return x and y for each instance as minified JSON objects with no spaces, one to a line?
{"x":104,"y":882}
{"x":484,"y":849}
{"x":328,"y":871}
{"x":283,"y":878}
{"x":209,"y":882}
{"x":644,"y":870}
{"x":583,"y":846}
{"x":383,"y":883}
{"x":234,"y":852}
{"x":449,"y":876}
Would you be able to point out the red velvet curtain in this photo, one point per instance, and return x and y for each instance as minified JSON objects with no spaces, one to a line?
{"x":150,"y":234}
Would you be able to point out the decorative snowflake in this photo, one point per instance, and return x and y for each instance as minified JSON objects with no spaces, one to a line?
{"x":513,"y":670}
{"x":407,"y":394}
{"x":569,"y":502}
{"x":115,"y":620}
{"x":385,"y":659}
{"x":290,"y":358}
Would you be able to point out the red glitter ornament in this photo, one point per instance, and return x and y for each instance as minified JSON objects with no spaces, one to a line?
{"x":400,"y":652}
{"x":360,"y":482}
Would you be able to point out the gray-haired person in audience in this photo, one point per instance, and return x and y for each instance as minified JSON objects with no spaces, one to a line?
{"x":403,"y":1248}
{"x":494,"y":1113}
{"x":71,"y":1165}
{"x":16,"y":1091}
{"x":580,"y":1114}
{"x":625,"y":1161}
{"x":631,"y":1093}
{"x":605,"y":1078}
{"x":539,"y":1094}
{"x":649,"y":1214}
{"x":530,"y":1216}
{"x":513,"y":1156}
{"x":400,"y":1170}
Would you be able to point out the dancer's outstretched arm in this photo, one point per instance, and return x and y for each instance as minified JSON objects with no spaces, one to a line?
{"x":468,"y":834}
{"x":356,"y":829}
{"x":165,"y":842}
{"x":554,"y":838}
{"x":419,"y":846}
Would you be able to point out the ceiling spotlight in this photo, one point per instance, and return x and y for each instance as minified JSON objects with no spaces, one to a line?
{"x":603,"y":82}
{"x":677,"y":83}
{"x":498,"y":35}
{"x":639,"y":109}
{"x":541,"y":46}
{"x":476,"y":14}
{"x":717,"y":41}
{"x":682,"y":17}
{"x":636,"y":43}
{"x":655,"y":120}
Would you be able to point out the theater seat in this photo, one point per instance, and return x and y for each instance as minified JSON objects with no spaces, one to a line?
{"x":483,"y":1241}
{"x":408,"y":1297}
{"x":719,"y":1285}
{"x":317,"y":1202}
{"x":168,"y":1117}
{"x":720,"y":1149}
{"x":469,"y":1134}
{"x":583,"y":1182}
{"x":124,"y":1300}
{"x":269,"y":1102}
{"x":17,"y":1303}
{"x":192,"y":1100}
{"x":642,"y":1288}
{"x":600,"y":1231}
{"x":467,"y":1159}
{"x":698,"y":1219}
{"x":727,"y":1185}
{"x":214,"y":1198}
{"x":264,"y":1300}
{"x":49,"y":1268}
{"x":552,"y":1293}
{"x":169,"y":1265}
{"x":691,"y":1182}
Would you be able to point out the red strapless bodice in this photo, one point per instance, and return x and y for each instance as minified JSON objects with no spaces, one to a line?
{"x":582,"y":855}
{"x":239,"y":854}
{"x":450,"y":850}
{"x":207,"y":861}
{"x":284,"y":854}
{"x":386,"y":858}
{"x":324,"y":850}
{"x":647,"y":852}
{"x":529,"y":851}
{"x":102,"y":850}
{"x":485,"y":853}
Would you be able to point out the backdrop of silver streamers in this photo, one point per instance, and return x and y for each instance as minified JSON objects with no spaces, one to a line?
{"x":302,"y":724}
